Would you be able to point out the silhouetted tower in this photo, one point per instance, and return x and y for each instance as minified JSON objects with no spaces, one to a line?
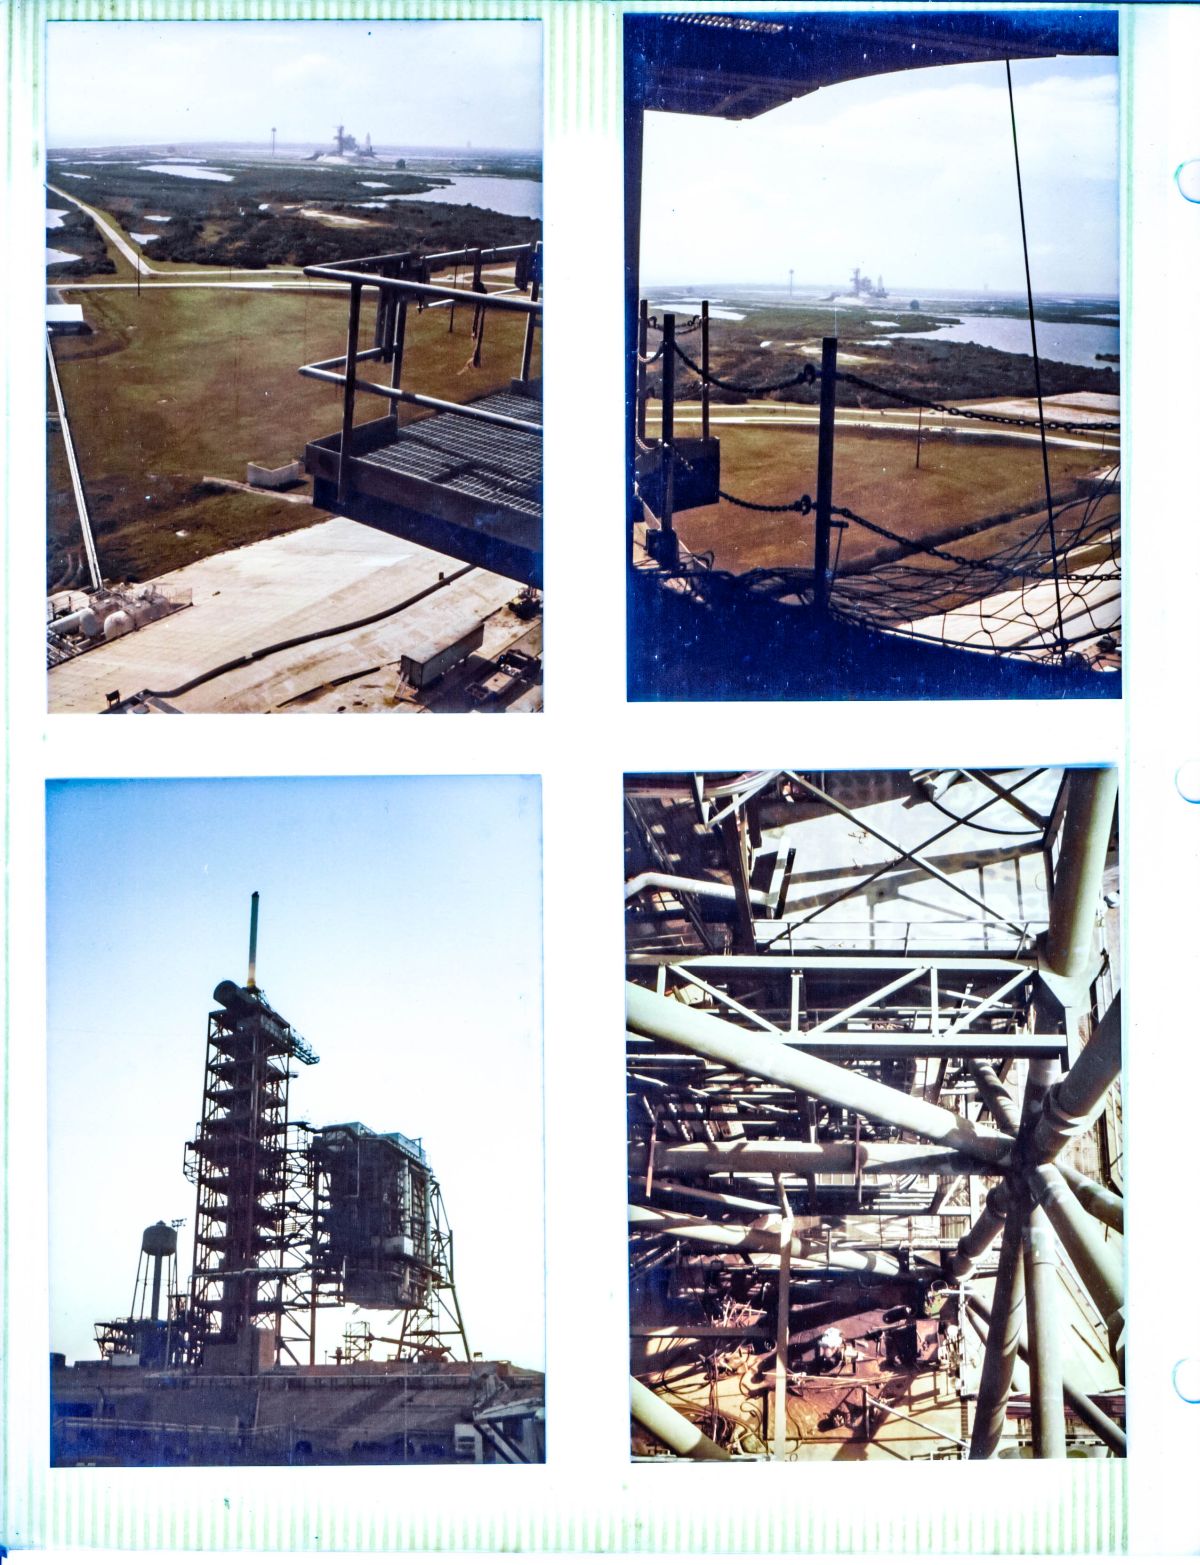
{"x":253,"y":1245}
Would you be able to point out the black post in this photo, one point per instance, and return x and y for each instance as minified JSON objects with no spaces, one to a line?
{"x":704,"y":367}
{"x":640,"y":378}
{"x":825,"y":473}
{"x":667,"y":448}
{"x":348,"y":393}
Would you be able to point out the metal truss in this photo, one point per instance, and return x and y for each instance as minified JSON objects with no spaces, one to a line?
{"x":912,"y":1125}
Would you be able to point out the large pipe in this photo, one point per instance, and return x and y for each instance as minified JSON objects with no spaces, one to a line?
{"x":655,"y":1016}
{"x":1087,"y":824}
{"x":1073,"y":1103}
{"x":1004,"y":1332}
{"x":654,"y":880}
{"x":1104,"y":1205}
{"x":1099,"y":1269}
{"x":995,"y":1095}
{"x":810,"y":1157}
{"x":669,"y":1426}
{"x":1087,"y":1411}
{"x":764,"y":1240}
{"x":980,"y":1237}
{"x":1045,"y":1347}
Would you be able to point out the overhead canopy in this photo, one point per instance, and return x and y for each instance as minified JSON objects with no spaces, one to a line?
{"x":740,"y":66}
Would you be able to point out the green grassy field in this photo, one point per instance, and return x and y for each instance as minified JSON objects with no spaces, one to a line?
{"x":176,"y":384}
{"x":960,"y":483}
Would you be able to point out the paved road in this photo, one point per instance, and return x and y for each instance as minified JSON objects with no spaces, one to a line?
{"x":139,"y":262}
{"x":895,"y":421}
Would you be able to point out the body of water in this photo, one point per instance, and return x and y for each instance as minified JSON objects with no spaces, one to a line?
{"x":54,"y":217}
{"x":1069,"y":342}
{"x":59,"y":257}
{"x":513,"y":197}
{"x":185,"y":171}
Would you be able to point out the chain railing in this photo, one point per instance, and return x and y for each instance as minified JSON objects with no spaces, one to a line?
{"x":901,"y":589}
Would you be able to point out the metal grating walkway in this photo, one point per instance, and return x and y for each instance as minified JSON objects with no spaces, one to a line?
{"x":487,"y":463}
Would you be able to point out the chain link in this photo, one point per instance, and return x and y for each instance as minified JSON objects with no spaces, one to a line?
{"x":909,"y":544}
{"x":692,"y":325}
{"x":803,"y":505}
{"x":807,"y":376}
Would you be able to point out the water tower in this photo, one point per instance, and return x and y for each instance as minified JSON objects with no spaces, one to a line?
{"x":150,"y":1331}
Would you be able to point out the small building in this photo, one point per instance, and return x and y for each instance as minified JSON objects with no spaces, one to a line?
{"x":65,"y":320}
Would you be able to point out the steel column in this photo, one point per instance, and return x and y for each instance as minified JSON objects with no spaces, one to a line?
{"x":1001,"y":1349}
{"x":1045,"y":1348}
{"x":1087,"y":824}
{"x":1087,"y":1411}
{"x":1098,"y":1268}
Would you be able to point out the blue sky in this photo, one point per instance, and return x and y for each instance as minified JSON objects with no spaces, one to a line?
{"x":399,"y":932}
{"x":429,"y":84}
{"x":908,"y":174}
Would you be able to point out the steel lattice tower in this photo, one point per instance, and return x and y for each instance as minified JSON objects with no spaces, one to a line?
{"x":254,"y":1233}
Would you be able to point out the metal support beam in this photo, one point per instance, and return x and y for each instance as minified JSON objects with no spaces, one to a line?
{"x":654,"y":1016}
{"x":1073,"y":1103}
{"x":782,"y":1303}
{"x":811,"y":1157}
{"x":669,"y":1426}
{"x":1067,"y":945}
{"x":1099,"y":1269}
{"x":991,"y":1089}
{"x":1045,"y":1347}
{"x":767,"y":1239}
{"x":656,"y":880}
{"x":979,"y":1239}
{"x":1000,"y":1351}
{"x":910,"y":856}
{"x":1087,"y":1411}
{"x":1104,"y":1205}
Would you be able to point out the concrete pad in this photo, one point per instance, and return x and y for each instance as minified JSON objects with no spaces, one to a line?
{"x":245,"y":599}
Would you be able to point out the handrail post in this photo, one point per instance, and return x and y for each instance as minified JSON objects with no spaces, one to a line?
{"x":829,"y":347}
{"x":704,"y":369}
{"x":477,"y":323}
{"x":527,"y":348}
{"x":667,"y":444}
{"x":348,"y":394}
{"x":400,"y":325}
{"x":642,"y":368}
